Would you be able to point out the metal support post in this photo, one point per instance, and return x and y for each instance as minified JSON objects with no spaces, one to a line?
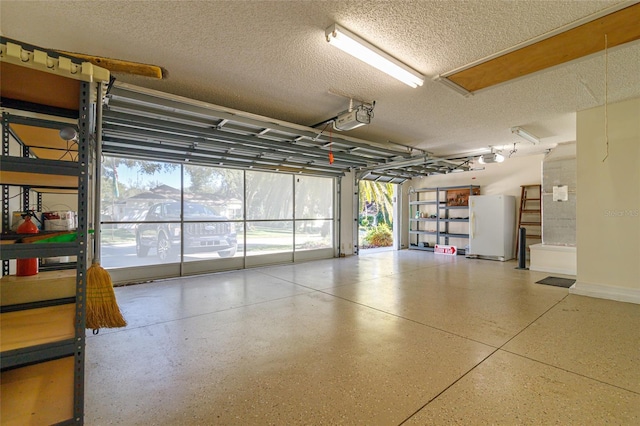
{"x":86,"y":128}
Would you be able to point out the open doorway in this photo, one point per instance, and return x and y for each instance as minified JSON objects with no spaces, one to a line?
{"x":376,"y":215}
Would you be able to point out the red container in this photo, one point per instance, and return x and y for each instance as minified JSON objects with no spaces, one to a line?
{"x":26,"y":267}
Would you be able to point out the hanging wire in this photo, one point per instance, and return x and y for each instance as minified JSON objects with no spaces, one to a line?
{"x":17,"y":195}
{"x":50,"y":208}
{"x":69,"y":150}
{"x":322,"y":131}
{"x":606,"y":95}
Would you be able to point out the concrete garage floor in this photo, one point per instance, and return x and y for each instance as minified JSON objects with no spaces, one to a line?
{"x":382,"y":339}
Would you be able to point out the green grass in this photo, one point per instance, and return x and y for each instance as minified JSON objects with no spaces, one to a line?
{"x":116,"y":236}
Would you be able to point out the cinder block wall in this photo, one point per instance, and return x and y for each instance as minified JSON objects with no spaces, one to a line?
{"x":559,"y":167}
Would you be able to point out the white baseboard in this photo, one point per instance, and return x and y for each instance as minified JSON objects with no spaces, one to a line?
{"x":621,"y":294}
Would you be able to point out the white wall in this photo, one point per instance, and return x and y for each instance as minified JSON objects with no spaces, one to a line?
{"x":608,"y":216}
{"x":59,"y":202}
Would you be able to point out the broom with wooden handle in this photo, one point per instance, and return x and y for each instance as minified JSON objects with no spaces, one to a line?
{"x":102,"y":308}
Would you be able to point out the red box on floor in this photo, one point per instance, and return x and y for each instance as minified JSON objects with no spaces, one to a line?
{"x":448,"y":250}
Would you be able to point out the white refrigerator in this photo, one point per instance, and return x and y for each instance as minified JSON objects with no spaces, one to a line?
{"x":492,"y":223}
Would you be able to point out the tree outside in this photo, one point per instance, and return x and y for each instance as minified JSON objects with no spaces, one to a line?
{"x":376,"y":214}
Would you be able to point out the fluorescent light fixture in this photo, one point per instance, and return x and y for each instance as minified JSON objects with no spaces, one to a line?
{"x":491,"y":158}
{"x":453,"y":86}
{"x":348,"y":42}
{"x":525,"y":135}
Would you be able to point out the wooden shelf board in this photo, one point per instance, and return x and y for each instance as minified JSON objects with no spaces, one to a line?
{"x":37,"y":180}
{"x":47,"y":285}
{"x":30,"y":85}
{"x":31,"y":327}
{"x":45,"y":143}
{"x":38,"y":394}
{"x":42,"y":137}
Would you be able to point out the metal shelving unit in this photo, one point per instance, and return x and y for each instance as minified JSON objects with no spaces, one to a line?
{"x":423,"y":220}
{"x":42,"y":341}
{"x":440,"y":225}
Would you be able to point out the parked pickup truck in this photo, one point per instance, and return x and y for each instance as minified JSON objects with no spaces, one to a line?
{"x":204,"y":231}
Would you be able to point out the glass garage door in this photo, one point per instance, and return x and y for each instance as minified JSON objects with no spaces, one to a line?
{"x":165,"y":219}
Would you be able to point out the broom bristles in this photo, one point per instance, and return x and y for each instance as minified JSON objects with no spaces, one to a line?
{"x":102,"y":308}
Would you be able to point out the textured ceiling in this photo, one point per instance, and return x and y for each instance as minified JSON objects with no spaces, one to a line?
{"x":271,"y":58}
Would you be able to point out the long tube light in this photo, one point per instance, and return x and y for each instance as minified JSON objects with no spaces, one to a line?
{"x":525,"y":135}
{"x":452,"y":85}
{"x":350,"y":43}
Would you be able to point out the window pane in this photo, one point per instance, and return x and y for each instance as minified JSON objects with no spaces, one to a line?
{"x":134,"y":192}
{"x":269,"y":196}
{"x":145,"y":222}
{"x":314,"y":234}
{"x":269,"y":237}
{"x":212,"y":240}
{"x":121,"y":248}
{"x":314,"y":197}
{"x":220,"y":190}
{"x":130,"y":187}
